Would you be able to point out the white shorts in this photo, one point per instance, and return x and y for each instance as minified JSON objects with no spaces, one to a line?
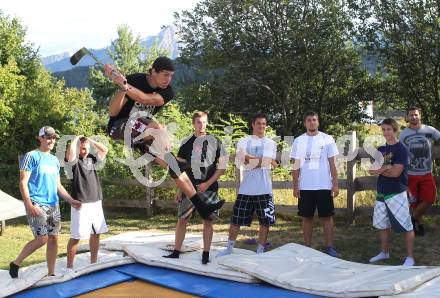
{"x":392,"y":211}
{"x":87,"y":220}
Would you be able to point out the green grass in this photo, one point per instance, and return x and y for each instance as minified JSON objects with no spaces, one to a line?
{"x":355,"y":243}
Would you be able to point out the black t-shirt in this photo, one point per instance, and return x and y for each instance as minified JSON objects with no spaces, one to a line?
{"x":86,"y":187}
{"x":139,"y":81}
{"x":202,"y":154}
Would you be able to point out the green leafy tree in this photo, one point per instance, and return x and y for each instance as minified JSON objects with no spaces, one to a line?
{"x":281,"y":57}
{"x":30,"y":98}
{"x":405,"y":35}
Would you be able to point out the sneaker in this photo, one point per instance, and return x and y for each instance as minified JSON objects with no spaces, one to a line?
{"x":331,"y":252}
{"x":381,"y":256}
{"x":260,"y":249}
{"x":67,"y":271}
{"x":409,"y":261}
{"x":224,"y":252}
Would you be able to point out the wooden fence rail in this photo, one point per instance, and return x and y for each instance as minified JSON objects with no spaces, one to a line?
{"x":352,"y":184}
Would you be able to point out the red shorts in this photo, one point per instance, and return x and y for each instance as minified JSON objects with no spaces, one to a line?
{"x":421,"y":188}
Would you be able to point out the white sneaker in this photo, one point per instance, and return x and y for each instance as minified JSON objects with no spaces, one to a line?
{"x":409,"y":261}
{"x":381,"y":256}
{"x":224,"y":252}
{"x":53,"y":276}
{"x":66,"y":271}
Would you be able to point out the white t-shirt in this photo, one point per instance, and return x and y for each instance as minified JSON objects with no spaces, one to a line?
{"x":313,"y":153}
{"x":256,"y":181}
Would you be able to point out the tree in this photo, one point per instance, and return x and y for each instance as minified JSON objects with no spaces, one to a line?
{"x":282,"y":57}
{"x":405,"y":35}
{"x":30,"y":98}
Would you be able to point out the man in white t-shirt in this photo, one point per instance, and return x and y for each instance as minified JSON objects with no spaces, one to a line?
{"x":256,"y":154}
{"x":315,"y":179}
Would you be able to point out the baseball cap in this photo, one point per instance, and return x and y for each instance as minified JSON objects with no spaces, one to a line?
{"x":48,"y":131}
{"x":163,"y":63}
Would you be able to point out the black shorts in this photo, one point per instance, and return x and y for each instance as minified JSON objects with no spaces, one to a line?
{"x":116,"y":128}
{"x":310,"y":200}
{"x":245,"y":206}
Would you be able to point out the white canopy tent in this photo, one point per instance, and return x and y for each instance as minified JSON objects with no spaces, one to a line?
{"x":10,"y":207}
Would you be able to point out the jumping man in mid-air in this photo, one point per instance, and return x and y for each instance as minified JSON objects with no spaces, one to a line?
{"x":131,"y":113}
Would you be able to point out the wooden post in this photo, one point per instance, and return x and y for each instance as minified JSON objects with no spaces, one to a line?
{"x":149,"y":192}
{"x":351,"y":176}
{"x":3,"y":227}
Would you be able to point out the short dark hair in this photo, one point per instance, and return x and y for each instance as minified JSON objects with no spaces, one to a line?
{"x":258,"y":116}
{"x":413,"y":109}
{"x":163,"y":63}
{"x":391,"y":122}
{"x":199,"y":114}
{"x":308,"y":114}
{"x":83,"y":139}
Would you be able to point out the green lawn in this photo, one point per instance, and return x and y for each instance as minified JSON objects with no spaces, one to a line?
{"x":356,"y":243}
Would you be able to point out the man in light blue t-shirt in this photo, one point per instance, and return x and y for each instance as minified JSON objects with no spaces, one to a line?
{"x":40,"y":186}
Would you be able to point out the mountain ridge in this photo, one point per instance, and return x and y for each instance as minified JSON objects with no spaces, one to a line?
{"x":60,"y":62}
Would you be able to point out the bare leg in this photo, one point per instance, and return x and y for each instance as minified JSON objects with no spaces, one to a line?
{"x":233,"y":232}
{"x":182,"y":181}
{"x":94,"y":247}
{"x":51,"y":253}
{"x":164,"y":158}
{"x":208,"y":231}
{"x":262,"y":235}
{"x":161,"y":144}
{"x":420,"y":210}
{"x":30,"y":247}
{"x":307,"y":230}
{"x":385,"y":240}
{"x":184,"y":184}
{"x":327,"y":223}
{"x":72,"y":246}
{"x":409,"y":236}
{"x":180,"y":233}
{"x":384,"y":253}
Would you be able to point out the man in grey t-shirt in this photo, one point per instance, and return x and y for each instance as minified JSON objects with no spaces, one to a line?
{"x":418,"y":139}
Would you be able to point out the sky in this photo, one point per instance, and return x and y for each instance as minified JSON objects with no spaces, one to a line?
{"x":57,"y":26}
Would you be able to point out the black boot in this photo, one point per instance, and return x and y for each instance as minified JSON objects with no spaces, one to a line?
{"x":205,"y":257}
{"x":13,"y":270}
{"x":204,"y":209}
{"x":174,"y":255}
